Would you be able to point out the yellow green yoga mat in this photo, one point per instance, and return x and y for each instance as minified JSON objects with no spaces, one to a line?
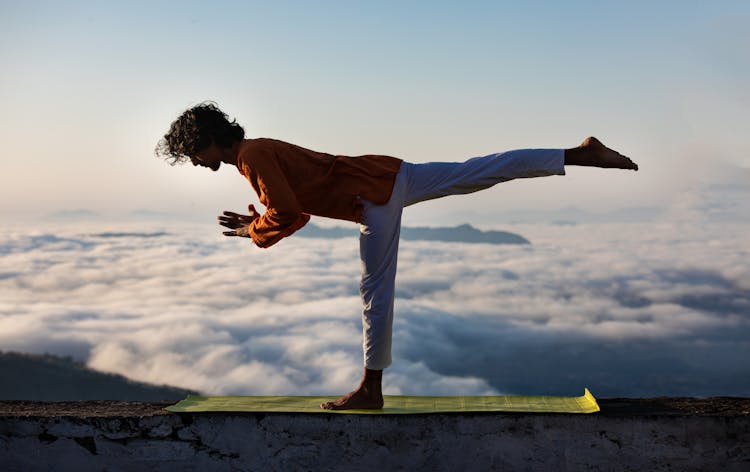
{"x":393,"y":405}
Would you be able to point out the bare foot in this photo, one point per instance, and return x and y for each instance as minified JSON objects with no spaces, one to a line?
{"x":359,"y":399}
{"x":368,"y":396}
{"x":593,"y":153}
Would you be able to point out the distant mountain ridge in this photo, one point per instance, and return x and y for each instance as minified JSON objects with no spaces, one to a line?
{"x":52,"y":378}
{"x":462,"y":234}
{"x":76,"y":215}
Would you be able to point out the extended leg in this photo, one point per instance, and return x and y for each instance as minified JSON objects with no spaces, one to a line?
{"x":440,"y":179}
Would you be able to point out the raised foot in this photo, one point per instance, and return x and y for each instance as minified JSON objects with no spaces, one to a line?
{"x":359,"y":399}
{"x":597,"y":154}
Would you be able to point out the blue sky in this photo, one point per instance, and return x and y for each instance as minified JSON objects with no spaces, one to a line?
{"x":89,"y":87}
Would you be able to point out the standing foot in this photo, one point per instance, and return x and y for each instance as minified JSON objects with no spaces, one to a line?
{"x":368,"y":396}
{"x":593,"y":153}
{"x":356,"y":400}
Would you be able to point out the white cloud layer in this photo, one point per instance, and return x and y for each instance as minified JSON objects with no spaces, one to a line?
{"x":624,"y":309}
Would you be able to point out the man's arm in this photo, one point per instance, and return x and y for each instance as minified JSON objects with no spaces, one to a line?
{"x":283,"y":214}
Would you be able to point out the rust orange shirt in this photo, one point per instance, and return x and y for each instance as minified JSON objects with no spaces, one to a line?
{"x":293,"y":183}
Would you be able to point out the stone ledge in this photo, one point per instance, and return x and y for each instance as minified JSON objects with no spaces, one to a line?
{"x":628,"y":434}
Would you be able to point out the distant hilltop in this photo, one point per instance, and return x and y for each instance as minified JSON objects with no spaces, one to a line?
{"x":52,"y":378}
{"x":460,"y":234}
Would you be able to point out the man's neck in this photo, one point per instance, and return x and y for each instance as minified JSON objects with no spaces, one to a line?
{"x":230,"y":156}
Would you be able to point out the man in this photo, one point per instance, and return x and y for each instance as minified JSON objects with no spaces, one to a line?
{"x":293,"y":183}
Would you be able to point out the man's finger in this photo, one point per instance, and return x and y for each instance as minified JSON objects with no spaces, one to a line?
{"x":231,"y":224}
{"x":235,"y":223}
{"x":235,"y":216}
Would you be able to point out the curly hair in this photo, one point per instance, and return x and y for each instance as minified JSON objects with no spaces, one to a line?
{"x":195,"y":130}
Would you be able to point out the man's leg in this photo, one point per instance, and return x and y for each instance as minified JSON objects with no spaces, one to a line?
{"x":439,"y":179}
{"x":380,"y":232}
{"x":378,"y":243}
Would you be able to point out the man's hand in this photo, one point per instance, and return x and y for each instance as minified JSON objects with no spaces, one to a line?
{"x":239,"y":224}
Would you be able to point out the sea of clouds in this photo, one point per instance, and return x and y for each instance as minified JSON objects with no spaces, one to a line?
{"x":638,"y":309}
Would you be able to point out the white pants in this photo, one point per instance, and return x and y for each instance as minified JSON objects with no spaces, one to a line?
{"x":381,"y":226}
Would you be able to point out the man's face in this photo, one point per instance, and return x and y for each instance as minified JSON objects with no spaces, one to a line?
{"x":210,"y":157}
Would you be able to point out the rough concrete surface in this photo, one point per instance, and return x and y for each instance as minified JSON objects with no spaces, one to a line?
{"x":637,"y":435}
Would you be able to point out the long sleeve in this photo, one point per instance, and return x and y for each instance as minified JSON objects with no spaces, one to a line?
{"x":293,"y":183}
{"x":283,"y":214}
